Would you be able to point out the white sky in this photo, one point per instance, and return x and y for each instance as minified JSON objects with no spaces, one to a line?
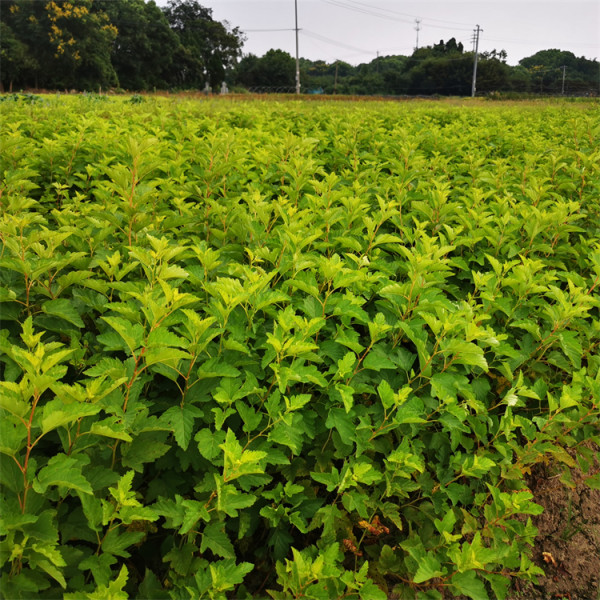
{"x":355,"y":30}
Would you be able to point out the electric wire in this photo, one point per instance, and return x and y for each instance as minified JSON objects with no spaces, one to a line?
{"x":389,"y":17}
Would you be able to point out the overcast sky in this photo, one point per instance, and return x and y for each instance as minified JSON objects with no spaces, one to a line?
{"x":355,"y":30}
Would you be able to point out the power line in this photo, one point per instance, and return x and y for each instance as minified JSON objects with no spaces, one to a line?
{"x":365,"y":12}
{"x":327,"y":40}
{"x":388,"y":14}
{"x":265,"y":30}
{"x":411,"y":16}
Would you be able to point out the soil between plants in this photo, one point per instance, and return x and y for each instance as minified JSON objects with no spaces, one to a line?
{"x":567,"y":546}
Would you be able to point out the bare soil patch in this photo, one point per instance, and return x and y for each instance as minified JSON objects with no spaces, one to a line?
{"x":568,"y":543}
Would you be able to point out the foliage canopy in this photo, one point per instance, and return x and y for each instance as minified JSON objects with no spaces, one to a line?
{"x":303,"y":349}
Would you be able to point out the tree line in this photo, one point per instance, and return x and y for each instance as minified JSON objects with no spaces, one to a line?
{"x":444,"y":68}
{"x":137,"y":45}
{"x":132,"y":44}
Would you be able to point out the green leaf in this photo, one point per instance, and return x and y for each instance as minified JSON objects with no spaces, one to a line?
{"x":181,"y":419}
{"x":230,"y":500}
{"x":466,"y":353}
{"x":470,"y":585}
{"x":112,"y":591}
{"x":341,"y":421}
{"x":386,"y":394}
{"x":48,"y":567}
{"x":165,"y":356}
{"x":62,"y":470}
{"x":571,"y":346}
{"x":116,"y":542}
{"x":297,"y":402}
{"x":111,"y":428}
{"x":56,"y":413}
{"x":145,"y":448}
{"x":345,"y":365}
{"x":499,"y":585}
{"x":347,"y":394}
{"x":378,"y":359}
{"x":369,"y":591}
{"x":215,"y":539}
{"x":131,"y":333}
{"x":64,"y":309}
{"x":287,"y":435}
{"x":240,"y":462}
{"x":209,"y":442}
{"x":226,"y":575}
{"x":476,"y":466}
{"x":100,"y":566}
{"x":429,"y":567}
{"x":194,"y":511}
{"x":216,"y":367}
{"x":331,"y":480}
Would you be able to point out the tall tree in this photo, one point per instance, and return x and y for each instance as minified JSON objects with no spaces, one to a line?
{"x":145,"y":47}
{"x":208,"y":48}
{"x":16,"y":61}
{"x":68,"y":44}
{"x":275,"y":69}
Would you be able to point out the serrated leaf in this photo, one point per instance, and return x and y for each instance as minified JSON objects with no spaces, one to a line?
{"x":217,"y":368}
{"x":238,"y":461}
{"x":194,"y":511}
{"x":230,"y":500}
{"x":429,"y":567}
{"x":145,"y":448}
{"x":467,"y":353}
{"x":209,"y":442}
{"x":378,"y":359}
{"x":386,"y":394}
{"x":215,"y":539}
{"x":165,"y":356}
{"x":182,"y":419}
{"x":287,"y":435}
{"x":64,"y":309}
{"x":117,"y":541}
{"x":62,"y":470}
{"x":470,"y":585}
{"x":162,"y":337}
{"x":476,"y":466}
{"x":347,"y":394}
{"x":56,"y":413}
{"x":341,"y":421}
{"x":226,"y":575}
{"x":100,"y":566}
{"x":111,"y":428}
{"x":48,"y":567}
{"x":345,"y":365}
{"x":132,"y":334}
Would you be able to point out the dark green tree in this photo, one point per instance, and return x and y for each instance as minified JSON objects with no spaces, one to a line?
{"x":145,"y":46}
{"x":546,"y":68}
{"x":208,"y":48}
{"x":275,"y":69}
{"x":66,"y":44}
{"x":16,"y":62}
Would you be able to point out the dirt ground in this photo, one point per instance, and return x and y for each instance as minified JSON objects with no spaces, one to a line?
{"x":568,"y":543}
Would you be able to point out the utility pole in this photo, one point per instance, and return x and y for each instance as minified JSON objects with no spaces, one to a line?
{"x":297,"y":56}
{"x":564,"y":68}
{"x":418,"y":27}
{"x":474,"y":86}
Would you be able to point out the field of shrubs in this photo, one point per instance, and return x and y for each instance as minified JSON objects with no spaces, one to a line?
{"x":291,"y":350}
